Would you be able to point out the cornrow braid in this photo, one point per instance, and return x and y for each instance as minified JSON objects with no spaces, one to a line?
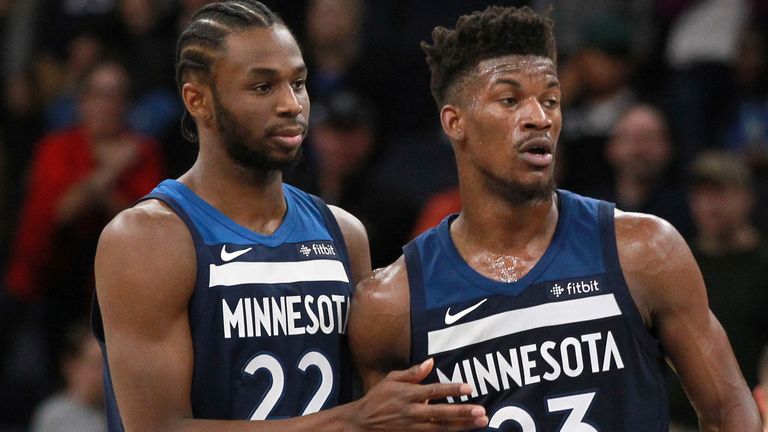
{"x":496,"y":31}
{"x":204,"y":37}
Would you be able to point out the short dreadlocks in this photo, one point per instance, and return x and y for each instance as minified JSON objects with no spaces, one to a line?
{"x":496,"y":31}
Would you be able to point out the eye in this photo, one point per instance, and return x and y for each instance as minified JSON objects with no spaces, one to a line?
{"x":262,"y":88}
{"x":551,"y":103}
{"x":299,"y":84}
{"x":509,"y":101}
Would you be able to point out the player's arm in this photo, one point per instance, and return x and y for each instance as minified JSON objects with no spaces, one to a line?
{"x":380,"y":324}
{"x":379,"y":334}
{"x":669,"y":291}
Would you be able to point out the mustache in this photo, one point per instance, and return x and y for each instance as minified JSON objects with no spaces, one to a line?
{"x":533,"y":136}
{"x":304,"y":125}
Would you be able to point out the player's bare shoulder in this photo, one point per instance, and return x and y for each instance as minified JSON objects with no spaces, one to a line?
{"x":148,"y":241}
{"x":644,"y":239}
{"x":379,"y":322}
{"x":653,"y":257}
{"x":148,"y":220}
{"x":386,"y":287}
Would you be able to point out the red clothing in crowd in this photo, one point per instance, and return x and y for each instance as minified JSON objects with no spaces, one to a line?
{"x":436,"y":209}
{"x":62,"y":160}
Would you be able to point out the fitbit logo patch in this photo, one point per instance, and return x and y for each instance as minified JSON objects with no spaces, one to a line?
{"x":317,"y":249}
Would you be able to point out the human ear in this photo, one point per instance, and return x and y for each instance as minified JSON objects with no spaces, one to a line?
{"x":452,"y":122}
{"x":196,"y":99}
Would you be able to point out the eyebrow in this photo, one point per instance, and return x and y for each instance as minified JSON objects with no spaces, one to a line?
{"x":271,"y":73}
{"x":517,"y":85}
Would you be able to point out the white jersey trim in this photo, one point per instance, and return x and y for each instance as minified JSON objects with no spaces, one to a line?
{"x":240,"y":273}
{"x":520,"y":320}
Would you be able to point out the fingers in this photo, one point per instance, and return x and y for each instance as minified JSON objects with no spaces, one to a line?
{"x":440,"y":391}
{"x":446,"y":417}
{"x":415,"y":373}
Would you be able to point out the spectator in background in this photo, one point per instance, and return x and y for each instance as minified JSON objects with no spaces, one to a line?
{"x":79,"y":406}
{"x":733,"y":258}
{"x":701,"y":50}
{"x":437,"y":207}
{"x":747,"y":131}
{"x":640,"y":153}
{"x":61,"y":80}
{"x":340,"y":160}
{"x":341,"y":56}
{"x":79,"y":179}
{"x":333,"y":31}
{"x":596,"y":90}
{"x":147,"y":47}
{"x":20,"y":128}
{"x":341,"y":145}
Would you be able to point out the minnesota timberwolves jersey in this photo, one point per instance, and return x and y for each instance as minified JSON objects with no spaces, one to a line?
{"x":562,"y":349}
{"x":268,"y":314}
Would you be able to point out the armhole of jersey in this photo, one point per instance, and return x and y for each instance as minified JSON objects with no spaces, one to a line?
{"x":617,"y":281}
{"x":335,"y":230}
{"x":417,"y":301}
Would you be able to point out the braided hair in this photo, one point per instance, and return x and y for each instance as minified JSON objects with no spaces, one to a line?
{"x":495,"y":32}
{"x":204,"y":37}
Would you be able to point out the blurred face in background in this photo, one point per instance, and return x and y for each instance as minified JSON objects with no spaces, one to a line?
{"x":342,"y":151}
{"x":719,"y":209}
{"x":83,"y":373}
{"x":104,"y":100}
{"x":639,"y":146}
{"x":139,"y":15}
{"x":603,"y":74}
{"x":332,"y":23}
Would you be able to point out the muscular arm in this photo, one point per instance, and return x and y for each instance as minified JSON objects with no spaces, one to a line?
{"x":668,"y":288}
{"x":379,"y":334}
{"x":145,"y":275}
{"x":380,"y":324}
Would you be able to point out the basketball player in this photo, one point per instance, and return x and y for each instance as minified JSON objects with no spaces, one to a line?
{"x":224,"y":295}
{"x":559,"y":310}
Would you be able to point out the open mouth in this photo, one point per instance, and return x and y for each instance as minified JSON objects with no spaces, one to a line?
{"x":537,"y":152}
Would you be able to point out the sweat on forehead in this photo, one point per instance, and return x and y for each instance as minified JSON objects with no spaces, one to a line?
{"x":494,"y":68}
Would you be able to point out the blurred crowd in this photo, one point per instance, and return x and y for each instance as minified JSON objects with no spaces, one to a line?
{"x":665,"y":107}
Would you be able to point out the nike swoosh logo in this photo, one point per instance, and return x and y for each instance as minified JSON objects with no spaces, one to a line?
{"x":229,"y":256}
{"x":450,"y":319}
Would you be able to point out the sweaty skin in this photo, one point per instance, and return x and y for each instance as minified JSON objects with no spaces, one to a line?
{"x":509,"y":209}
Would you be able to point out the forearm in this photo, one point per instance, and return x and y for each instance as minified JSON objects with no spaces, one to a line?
{"x":738,"y":414}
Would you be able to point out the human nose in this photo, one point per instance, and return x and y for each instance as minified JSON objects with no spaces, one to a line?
{"x":533,"y":116}
{"x":289,"y":103}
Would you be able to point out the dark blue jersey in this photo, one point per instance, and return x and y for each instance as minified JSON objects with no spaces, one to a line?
{"x":561,"y":349}
{"x":268,"y":314}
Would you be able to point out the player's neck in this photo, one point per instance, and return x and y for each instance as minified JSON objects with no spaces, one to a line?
{"x":494,"y":224}
{"x":252,"y":198}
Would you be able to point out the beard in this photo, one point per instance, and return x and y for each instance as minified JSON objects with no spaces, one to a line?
{"x":520,"y":193}
{"x":235,"y":136}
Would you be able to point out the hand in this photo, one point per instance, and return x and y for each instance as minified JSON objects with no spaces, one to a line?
{"x":399,"y":403}
{"x":113,"y":157}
